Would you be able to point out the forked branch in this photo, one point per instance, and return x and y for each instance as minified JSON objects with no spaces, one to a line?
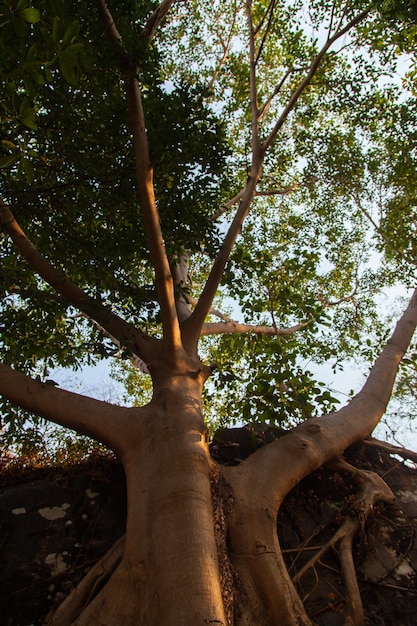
{"x":156,"y":19}
{"x":195,"y":322}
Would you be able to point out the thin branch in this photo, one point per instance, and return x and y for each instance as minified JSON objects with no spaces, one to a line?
{"x":373,"y":489}
{"x":137,"y":361}
{"x":327,"y":303}
{"x":273,"y":192}
{"x":228,"y":205}
{"x":309,"y":77}
{"x":232,"y":327}
{"x":285,"y":191}
{"x":195,"y":322}
{"x":270,"y":10}
{"x":380,"y":232}
{"x":276,"y":91}
{"x":342,"y":17}
{"x":226,"y":50}
{"x":252,"y":78}
{"x":128,"y":336}
{"x":267,"y":12}
{"x":332,"y":16}
{"x":212,"y":311}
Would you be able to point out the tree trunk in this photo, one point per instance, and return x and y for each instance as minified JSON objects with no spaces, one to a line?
{"x":169,"y":571}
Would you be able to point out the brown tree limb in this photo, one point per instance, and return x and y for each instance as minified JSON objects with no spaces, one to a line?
{"x":102,"y":421}
{"x":144,"y":174}
{"x":261,"y":482}
{"x":156,"y":19}
{"x":277,"y":467}
{"x":126,"y":334}
{"x":195,"y":322}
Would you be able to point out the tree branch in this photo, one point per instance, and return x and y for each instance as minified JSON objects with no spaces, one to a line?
{"x":280,"y":465}
{"x":144,"y":173}
{"x":276,"y":91}
{"x":102,"y":421}
{"x":226,"y":50}
{"x":409,"y":455}
{"x":128,"y":336}
{"x":156,"y":19}
{"x":195,"y":322}
{"x":373,"y":489}
{"x":230,"y":327}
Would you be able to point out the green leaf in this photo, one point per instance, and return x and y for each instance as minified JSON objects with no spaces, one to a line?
{"x":71,"y":33}
{"x":66,"y":66}
{"x":28,"y":170}
{"x":8,"y":160}
{"x":30,"y":15}
{"x":27,"y":114}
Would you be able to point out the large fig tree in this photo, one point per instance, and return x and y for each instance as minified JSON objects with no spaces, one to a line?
{"x":216,"y":192}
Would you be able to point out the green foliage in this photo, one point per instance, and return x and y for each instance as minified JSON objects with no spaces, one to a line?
{"x":332,"y":225}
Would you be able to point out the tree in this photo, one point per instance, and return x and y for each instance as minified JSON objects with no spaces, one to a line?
{"x":318,"y":143}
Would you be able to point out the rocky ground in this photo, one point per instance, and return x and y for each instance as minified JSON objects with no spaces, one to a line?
{"x":57,"y":521}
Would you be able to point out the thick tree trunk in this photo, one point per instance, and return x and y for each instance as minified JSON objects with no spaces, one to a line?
{"x":169,"y":573}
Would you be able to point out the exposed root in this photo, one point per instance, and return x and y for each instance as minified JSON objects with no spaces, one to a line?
{"x":373,"y":489}
{"x":89,"y":587}
{"x":408,"y":455}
